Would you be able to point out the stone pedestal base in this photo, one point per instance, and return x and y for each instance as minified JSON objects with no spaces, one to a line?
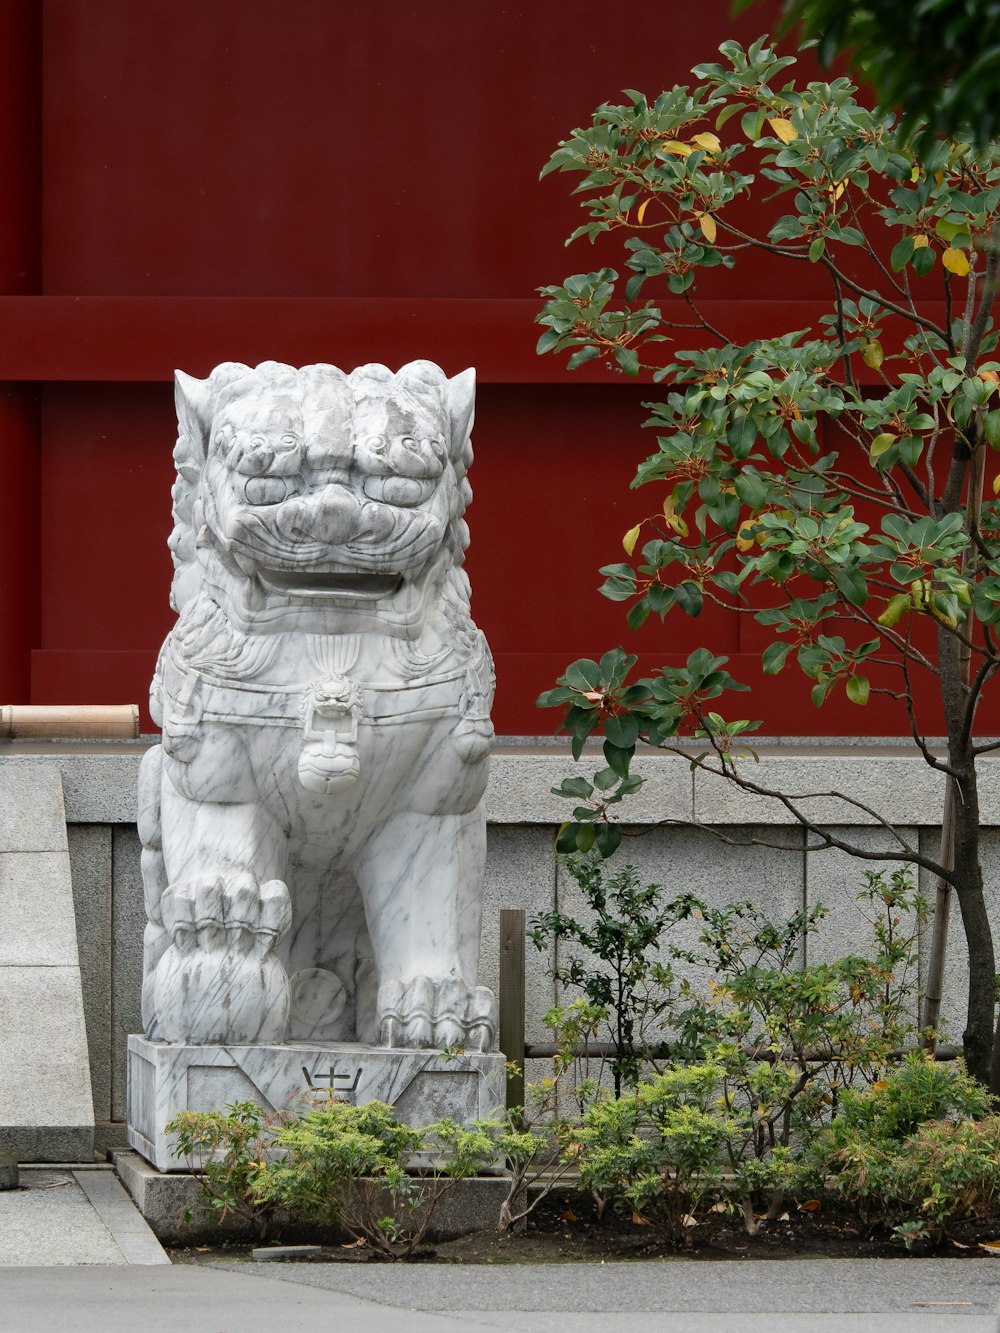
{"x":164,"y":1078}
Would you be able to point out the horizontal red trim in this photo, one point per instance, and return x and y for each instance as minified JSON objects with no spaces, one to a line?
{"x":121,"y":338}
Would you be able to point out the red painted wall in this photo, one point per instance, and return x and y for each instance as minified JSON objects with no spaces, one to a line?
{"x":188,"y":183}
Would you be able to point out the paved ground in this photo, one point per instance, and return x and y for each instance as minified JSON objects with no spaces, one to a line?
{"x":76,"y":1256}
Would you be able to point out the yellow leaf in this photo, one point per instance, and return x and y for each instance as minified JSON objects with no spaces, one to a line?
{"x":956,"y":261}
{"x":642,"y":210}
{"x":745,"y":536}
{"x":895,"y":608}
{"x":707,"y":224}
{"x":783,"y":128}
{"x":837,"y":189}
{"x":673,"y":519}
{"x":881,"y":443}
{"x":709,"y":142}
{"x":920,"y":241}
{"x":630,"y":539}
{"x":996,"y":484}
{"x":810,"y":1206}
{"x":880,"y":1085}
{"x":676,"y":147}
{"x":914,"y":173}
{"x":872,"y":354}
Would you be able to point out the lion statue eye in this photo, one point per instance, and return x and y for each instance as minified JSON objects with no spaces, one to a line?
{"x":266,"y":490}
{"x":376,"y":444}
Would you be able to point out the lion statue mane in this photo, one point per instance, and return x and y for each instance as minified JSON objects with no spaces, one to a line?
{"x":312,"y":824}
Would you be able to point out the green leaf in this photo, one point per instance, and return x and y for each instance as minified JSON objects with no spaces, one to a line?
{"x":566,"y":838}
{"x":618,"y":757}
{"x":547,"y":341}
{"x":608,"y":838}
{"x":628,"y":359}
{"x":582,"y":355}
{"x":622,"y":731}
{"x":851,"y":584}
{"x":638,"y":614}
{"x":689,"y":598}
{"x":775,"y":656}
{"x":858,"y":689}
{"x":902,"y":251}
{"x":817,"y":249}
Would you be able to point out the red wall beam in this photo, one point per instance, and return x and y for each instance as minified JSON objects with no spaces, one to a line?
{"x":122,"y":338}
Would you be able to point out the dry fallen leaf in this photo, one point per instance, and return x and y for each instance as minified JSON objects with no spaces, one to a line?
{"x":358,"y":1244}
{"x":639,"y":1220}
{"x":990,"y":1247}
{"x":810,"y":1206}
{"x":688,"y":1221}
{"x":568,"y":1215}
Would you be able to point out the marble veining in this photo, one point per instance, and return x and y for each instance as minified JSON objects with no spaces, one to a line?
{"x":312,"y":825}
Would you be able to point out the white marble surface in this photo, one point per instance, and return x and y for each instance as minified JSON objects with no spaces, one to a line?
{"x":313,"y":832}
{"x":423,"y":1086}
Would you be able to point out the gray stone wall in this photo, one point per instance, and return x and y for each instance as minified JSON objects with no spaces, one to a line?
{"x":99,"y":784}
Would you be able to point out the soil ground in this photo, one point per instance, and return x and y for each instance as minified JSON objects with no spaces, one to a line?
{"x":566,"y":1227}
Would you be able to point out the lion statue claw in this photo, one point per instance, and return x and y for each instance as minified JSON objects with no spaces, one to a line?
{"x":312,"y":825}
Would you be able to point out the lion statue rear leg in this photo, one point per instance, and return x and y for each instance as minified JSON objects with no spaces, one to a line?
{"x":420,"y":876}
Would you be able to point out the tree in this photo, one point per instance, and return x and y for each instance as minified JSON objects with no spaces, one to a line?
{"x":873,"y":564}
{"x":938,"y":62}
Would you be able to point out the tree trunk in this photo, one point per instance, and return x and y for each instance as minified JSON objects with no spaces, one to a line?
{"x":977,"y":1040}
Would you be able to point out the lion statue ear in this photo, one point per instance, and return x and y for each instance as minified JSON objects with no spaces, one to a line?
{"x":461,"y":395}
{"x":194,"y":401}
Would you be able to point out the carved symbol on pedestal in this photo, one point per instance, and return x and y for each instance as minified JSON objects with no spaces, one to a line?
{"x":332,"y":1079}
{"x":329,"y":760}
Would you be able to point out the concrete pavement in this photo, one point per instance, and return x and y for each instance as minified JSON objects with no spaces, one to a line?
{"x":672,"y":1296}
{"x":76,"y":1255}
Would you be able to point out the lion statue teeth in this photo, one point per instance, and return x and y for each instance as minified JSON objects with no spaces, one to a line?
{"x":312,"y":825}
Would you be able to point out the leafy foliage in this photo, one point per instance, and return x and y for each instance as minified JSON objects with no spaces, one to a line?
{"x":917,"y":1149}
{"x":225,"y":1150}
{"x":938,"y":61}
{"x":633,"y":990}
{"x":827,"y":481}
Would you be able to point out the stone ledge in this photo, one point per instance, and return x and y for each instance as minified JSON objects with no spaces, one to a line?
{"x":471,"y":1205}
{"x":99,"y":782}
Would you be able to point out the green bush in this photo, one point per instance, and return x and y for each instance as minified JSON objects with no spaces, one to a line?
{"x":916,"y":1151}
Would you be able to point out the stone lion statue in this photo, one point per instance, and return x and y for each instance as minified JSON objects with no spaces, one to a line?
{"x":313,"y":837}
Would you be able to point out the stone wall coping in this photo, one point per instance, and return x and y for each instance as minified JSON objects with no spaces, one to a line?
{"x":835,"y":778}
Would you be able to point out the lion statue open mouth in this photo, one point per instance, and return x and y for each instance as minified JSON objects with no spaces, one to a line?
{"x":313,"y":837}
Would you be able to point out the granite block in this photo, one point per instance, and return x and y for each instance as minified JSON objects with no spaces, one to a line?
{"x":164,"y":1200}
{"x":519,"y":790}
{"x":128,"y":923}
{"x":37,"y":923}
{"x":32,"y":817}
{"x":45,"y":1097}
{"x":835,"y":879}
{"x":90,"y":867}
{"x":955,"y":997}
{"x":520,"y":872}
{"x":686,"y":860}
{"x":900,"y":787}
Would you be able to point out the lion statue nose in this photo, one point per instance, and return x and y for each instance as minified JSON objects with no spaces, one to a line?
{"x":331,"y":516}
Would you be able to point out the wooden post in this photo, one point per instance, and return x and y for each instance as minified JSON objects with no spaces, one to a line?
{"x":512,"y":1000}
